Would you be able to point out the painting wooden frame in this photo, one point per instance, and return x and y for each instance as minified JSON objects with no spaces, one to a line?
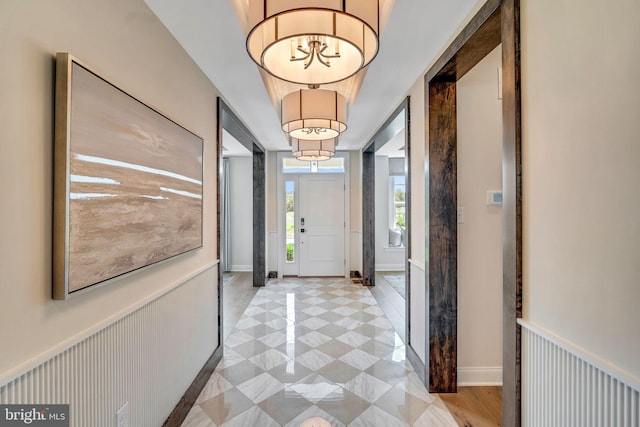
{"x":127,"y":183}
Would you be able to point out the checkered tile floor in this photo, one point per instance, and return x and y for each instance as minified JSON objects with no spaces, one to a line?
{"x":315,"y":347}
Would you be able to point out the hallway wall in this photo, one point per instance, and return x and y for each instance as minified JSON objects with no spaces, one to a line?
{"x":417,"y":261}
{"x":271,"y":210}
{"x":355,"y":210}
{"x":124,"y":42}
{"x":581,"y":204}
{"x":581,"y":164}
{"x":241,"y":200}
{"x":480,"y":236}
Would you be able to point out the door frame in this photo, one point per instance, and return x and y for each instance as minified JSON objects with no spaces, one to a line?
{"x":497,"y":22}
{"x":388,"y":129}
{"x":281,"y":236}
{"x":230,"y":122}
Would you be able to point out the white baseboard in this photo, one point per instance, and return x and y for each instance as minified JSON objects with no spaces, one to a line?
{"x":241,"y":267}
{"x":480,"y":376}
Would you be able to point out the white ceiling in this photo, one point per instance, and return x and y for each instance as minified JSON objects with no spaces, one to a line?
{"x":415,"y":33}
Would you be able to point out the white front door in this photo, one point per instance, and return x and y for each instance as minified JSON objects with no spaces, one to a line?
{"x":321,"y":225}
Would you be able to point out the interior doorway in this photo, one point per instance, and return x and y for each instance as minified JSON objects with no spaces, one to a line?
{"x":496,"y":22}
{"x":386,"y":199}
{"x":479,"y":245}
{"x":230,"y":124}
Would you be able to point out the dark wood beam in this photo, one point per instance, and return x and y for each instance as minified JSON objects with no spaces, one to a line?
{"x":368,"y":218}
{"x":443,"y":245}
{"x":474,"y":42}
{"x":259,"y":223}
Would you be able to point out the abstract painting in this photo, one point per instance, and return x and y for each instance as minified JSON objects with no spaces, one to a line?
{"x":127,"y":183}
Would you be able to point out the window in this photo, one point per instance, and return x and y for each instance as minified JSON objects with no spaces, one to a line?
{"x":333,"y":165}
{"x":398,"y":210}
{"x":290,"y":221}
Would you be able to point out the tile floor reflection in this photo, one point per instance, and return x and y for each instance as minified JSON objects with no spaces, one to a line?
{"x":315,"y":347}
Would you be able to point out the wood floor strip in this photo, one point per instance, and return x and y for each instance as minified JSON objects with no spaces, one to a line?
{"x":475,"y":406}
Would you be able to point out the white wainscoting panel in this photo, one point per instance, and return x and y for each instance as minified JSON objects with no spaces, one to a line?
{"x":148,"y":358}
{"x":563,"y":385}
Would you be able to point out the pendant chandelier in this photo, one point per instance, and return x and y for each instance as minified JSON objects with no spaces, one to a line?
{"x":314,"y":114}
{"x":313,"y":42}
{"x":313,"y":151}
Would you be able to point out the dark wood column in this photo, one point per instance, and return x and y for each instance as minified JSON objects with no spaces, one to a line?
{"x":443,"y":245}
{"x":368,"y":218}
{"x":259,"y":207}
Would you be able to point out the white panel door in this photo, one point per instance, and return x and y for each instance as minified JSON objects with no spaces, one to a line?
{"x":321,"y":225}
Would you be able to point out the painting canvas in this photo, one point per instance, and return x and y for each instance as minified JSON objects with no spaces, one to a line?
{"x":128,"y":183}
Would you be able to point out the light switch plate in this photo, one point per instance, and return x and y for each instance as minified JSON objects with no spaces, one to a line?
{"x":460,"y":215}
{"x":494,"y":198}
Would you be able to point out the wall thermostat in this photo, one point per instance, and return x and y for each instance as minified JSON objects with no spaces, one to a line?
{"x":494,"y":198}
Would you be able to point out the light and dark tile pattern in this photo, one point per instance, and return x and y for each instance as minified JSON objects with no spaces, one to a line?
{"x":315,"y":347}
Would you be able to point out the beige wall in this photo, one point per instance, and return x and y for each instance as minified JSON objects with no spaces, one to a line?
{"x":479,"y":117}
{"x":241,"y":201}
{"x":417,"y":260}
{"x":271,"y":198}
{"x":581,"y":162}
{"x":127,"y":45}
{"x":418,"y":190}
{"x":355,"y":210}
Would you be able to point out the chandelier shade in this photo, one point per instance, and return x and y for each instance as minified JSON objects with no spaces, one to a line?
{"x":313,"y":42}
{"x":313,"y":151}
{"x":314,"y":114}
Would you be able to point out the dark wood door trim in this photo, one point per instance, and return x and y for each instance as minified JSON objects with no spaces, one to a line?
{"x":496,"y":22}
{"x":442,"y":274}
{"x":368,"y":218}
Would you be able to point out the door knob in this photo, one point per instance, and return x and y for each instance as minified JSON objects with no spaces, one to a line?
{"x":302,"y":230}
